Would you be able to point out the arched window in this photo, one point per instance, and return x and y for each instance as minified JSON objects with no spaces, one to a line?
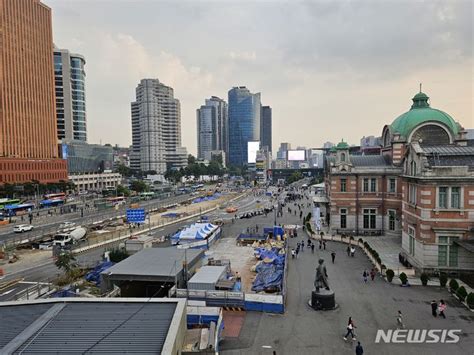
{"x":386,"y":139}
{"x":343,"y":157}
{"x":430,"y":134}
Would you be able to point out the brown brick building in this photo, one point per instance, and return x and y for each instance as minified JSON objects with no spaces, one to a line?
{"x":421,"y":188}
{"x":28,"y":141}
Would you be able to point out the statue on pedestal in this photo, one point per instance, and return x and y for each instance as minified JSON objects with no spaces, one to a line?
{"x":321,"y":280}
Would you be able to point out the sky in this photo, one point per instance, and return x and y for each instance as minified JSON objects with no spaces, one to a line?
{"x":330,"y":70}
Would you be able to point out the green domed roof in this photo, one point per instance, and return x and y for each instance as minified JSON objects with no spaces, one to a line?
{"x":342,"y":145}
{"x":419,"y":113}
{"x":333,"y":149}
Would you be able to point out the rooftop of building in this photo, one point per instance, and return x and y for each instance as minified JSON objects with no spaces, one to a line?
{"x":419,"y":113}
{"x":92,"y":326}
{"x":449,"y":155}
{"x":155,"y":262}
{"x":365,"y":160}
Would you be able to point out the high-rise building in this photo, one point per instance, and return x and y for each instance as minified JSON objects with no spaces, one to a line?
{"x":283,"y":150}
{"x":212,"y":127}
{"x":244,"y":123}
{"x":156,"y":129}
{"x":266,"y":128}
{"x":69,"y":79}
{"x":28,"y":137}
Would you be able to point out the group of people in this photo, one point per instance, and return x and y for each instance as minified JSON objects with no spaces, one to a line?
{"x":437,"y":309}
{"x":366,"y":274}
{"x":350,"y":250}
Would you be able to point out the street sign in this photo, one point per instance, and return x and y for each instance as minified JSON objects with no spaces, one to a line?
{"x":135,"y":215}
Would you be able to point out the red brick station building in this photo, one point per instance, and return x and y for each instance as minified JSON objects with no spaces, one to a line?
{"x":420,"y":188}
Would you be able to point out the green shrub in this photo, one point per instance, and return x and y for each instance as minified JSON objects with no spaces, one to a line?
{"x":383,"y":266}
{"x":470,"y":300}
{"x":351,"y":238}
{"x":403,"y":278}
{"x":360,"y":240}
{"x":378,"y":260}
{"x":453,"y":285}
{"x":461,"y":293}
{"x":424,"y":279}
{"x":443,"y":279}
{"x":390,"y":274}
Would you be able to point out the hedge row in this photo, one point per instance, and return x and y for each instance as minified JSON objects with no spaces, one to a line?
{"x":372,"y":252}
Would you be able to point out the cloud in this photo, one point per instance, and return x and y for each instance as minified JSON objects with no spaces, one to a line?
{"x":245,"y":56}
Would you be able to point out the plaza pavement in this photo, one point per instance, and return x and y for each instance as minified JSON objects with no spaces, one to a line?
{"x":373,"y":306}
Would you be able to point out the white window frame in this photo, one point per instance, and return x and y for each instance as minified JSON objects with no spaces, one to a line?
{"x":394,"y":219}
{"x":412,"y":194}
{"x":345,"y":214}
{"x":388,"y":185}
{"x":449,"y":205}
{"x":411,"y":240}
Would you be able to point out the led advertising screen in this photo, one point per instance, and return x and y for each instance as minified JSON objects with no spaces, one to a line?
{"x":296,"y":155}
{"x":252,"y":148}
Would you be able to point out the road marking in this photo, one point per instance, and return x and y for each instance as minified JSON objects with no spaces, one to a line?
{"x":267,"y":346}
{"x":7,"y":292}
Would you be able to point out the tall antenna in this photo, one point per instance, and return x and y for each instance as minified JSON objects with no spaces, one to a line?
{"x":420,"y":86}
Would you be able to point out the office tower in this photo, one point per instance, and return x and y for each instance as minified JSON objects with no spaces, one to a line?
{"x":212,"y":127}
{"x":28,"y":137}
{"x":266,"y":127}
{"x":283,"y":150}
{"x":244,"y":123}
{"x":69,"y":79}
{"x":156,"y":129}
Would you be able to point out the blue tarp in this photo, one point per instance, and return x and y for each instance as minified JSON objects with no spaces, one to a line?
{"x":269,"y":278}
{"x":94,"y":275}
{"x":64,"y":293}
{"x":170,"y":215}
{"x":277,"y":230}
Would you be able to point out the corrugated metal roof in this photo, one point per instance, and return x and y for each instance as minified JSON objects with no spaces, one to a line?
{"x":155,"y":262}
{"x":369,"y":160}
{"x":95,"y":327}
{"x":451,"y":150}
{"x":208,"y":274}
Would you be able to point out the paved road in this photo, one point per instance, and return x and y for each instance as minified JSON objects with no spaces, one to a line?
{"x":48,"y":271}
{"x":52,"y":225}
{"x":373,"y":306}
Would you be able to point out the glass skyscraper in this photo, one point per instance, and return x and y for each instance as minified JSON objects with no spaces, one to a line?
{"x":244,"y":123}
{"x":69,"y":78}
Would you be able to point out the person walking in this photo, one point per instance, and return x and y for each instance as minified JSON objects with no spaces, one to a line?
{"x":350,"y":329}
{"x":293,"y":253}
{"x":320,"y":244}
{"x":434,"y":308}
{"x":348,"y":250}
{"x":372,"y":274}
{"x":333,"y":256}
{"x":359,"y":349}
{"x":400,"y":320}
{"x":353,"y":250}
{"x":297,"y":252}
{"x":324,"y":244}
{"x":442,"y":308}
{"x":302,"y":246}
{"x":312,"y":248}
{"x":365,"y":275}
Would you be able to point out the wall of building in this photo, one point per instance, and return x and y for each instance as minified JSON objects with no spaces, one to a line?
{"x":14,"y":171}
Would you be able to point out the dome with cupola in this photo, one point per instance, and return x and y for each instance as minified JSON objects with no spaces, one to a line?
{"x":422,"y":124}
{"x":342,"y":145}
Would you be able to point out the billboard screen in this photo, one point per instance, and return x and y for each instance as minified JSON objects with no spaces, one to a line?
{"x":252,"y":148}
{"x":296,"y":155}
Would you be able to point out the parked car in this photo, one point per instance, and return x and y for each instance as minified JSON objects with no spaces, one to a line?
{"x":65,"y":225}
{"x":23,"y":228}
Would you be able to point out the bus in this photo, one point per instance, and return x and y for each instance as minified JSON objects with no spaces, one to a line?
{"x":51,"y":202}
{"x":18,"y":209}
{"x":115,"y":201}
{"x":147,"y":195}
{"x":59,"y":195}
{"x":8,"y":201}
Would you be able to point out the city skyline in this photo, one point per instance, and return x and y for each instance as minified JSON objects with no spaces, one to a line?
{"x":308,"y":71}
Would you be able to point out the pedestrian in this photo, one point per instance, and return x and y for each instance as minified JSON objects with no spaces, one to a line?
{"x":400,"y":320}
{"x":353,"y":250}
{"x":293,"y":253}
{"x":324,"y":244}
{"x":320,"y":245}
{"x":372,"y":274}
{"x":309,"y":242}
{"x":359,"y":349}
{"x":348,"y":251}
{"x":333,"y":256}
{"x":442,"y":308}
{"x":350,"y":329}
{"x":312,"y":248}
{"x":297,"y":252}
{"x":434,"y":308}
{"x":364,"y":275}
{"x":302,"y":246}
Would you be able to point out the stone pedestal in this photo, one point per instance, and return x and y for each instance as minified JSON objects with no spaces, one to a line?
{"x":323,"y":300}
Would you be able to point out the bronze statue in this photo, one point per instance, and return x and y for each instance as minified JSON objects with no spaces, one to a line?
{"x":321,"y":279}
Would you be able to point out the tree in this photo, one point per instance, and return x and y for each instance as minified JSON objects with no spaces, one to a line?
{"x":295,"y":177}
{"x":124,"y":170}
{"x":123,"y":191}
{"x":116,"y":255}
{"x":191,"y":159}
{"x":139,"y":186}
{"x":66,"y":261}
